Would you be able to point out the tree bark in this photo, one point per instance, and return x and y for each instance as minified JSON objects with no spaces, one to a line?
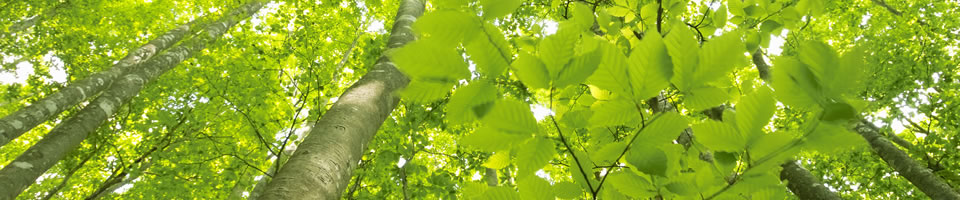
{"x":921,"y":176}
{"x":803,"y":184}
{"x":21,"y":121}
{"x":25,"y":169}
{"x":323,"y":164}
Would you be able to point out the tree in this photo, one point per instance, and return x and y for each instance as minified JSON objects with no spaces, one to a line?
{"x":25,"y":169}
{"x":324,"y":161}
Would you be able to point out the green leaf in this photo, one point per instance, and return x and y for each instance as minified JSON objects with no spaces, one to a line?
{"x":533,"y":187}
{"x":511,"y":115}
{"x":794,"y":84}
{"x":775,"y":147}
{"x":490,"y":139}
{"x":567,"y":190}
{"x":531,"y":71}
{"x":607,"y":153}
{"x":847,"y":77}
{"x":683,"y":49}
{"x":443,"y":65}
{"x":501,"y":192}
{"x":447,"y":27}
{"x":647,"y":159}
{"x":663,"y":130}
{"x":839,"y":112}
{"x":650,"y":67}
{"x":718,"y":58}
{"x":489,"y":58}
{"x":493,"y":9}
{"x":754,"y":112}
{"x":461,"y":104}
{"x":819,"y":57}
{"x":612,"y":73}
{"x":720,"y":16}
{"x":719,"y":136}
{"x":557,"y":50}
{"x":682,"y":188}
{"x":578,"y":69}
{"x":498,"y":160}
{"x":452,"y":4}
{"x":582,"y":15}
{"x":829,"y":139}
{"x":632,"y":185}
{"x":425,"y":91}
{"x":472,"y":190}
{"x":533,"y":155}
{"x":705,"y":97}
{"x":613,"y":113}
{"x":577,"y":118}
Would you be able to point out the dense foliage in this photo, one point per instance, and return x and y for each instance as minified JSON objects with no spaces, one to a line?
{"x":507,"y":99}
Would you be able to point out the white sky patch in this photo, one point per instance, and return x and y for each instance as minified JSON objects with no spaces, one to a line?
{"x":549,"y":27}
{"x":776,"y":43}
{"x":124,"y":188}
{"x":865,"y":19}
{"x":401,"y":162}
{"x":376,"y":26}
{"x":259,"y":16}
{"x":476,"y":176}
{"x":18,"y":75}
{"x":540,"y":111}
{"x":57,"y":69}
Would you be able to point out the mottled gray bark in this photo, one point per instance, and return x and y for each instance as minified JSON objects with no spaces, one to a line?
{"x":24,"y":170}
{"x":21,"y":121}
{"x":921,"y":176}
{"x":803,"y":184}
{"x":323,"y":164}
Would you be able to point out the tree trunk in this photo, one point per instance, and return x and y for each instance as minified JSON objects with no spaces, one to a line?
{"x":27,"y":23}
{"x":23,"y":171}
{"x":921,"y":176}
{"x":803,"y":184}
{"x":323,"y":164}
{"x":21,"y":121}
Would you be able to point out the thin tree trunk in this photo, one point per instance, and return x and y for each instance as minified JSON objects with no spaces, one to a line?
{"x":921,"y":176}
{"x":53,"y":191}
{"x":119,"y":178}
{"x":799,"y":180}
{"x":323,"y":164}
{"x":21,"y":121}
{"x":28,"y":23}
{"x":24,"y":170}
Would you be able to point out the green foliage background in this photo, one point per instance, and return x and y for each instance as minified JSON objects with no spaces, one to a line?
{"x":645,"y":98}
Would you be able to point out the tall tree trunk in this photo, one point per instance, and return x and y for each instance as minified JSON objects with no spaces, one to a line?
{"x":921,"y":176}
{"x":323,"y":164}
{"x":21,"y":121}
{"x":24,"y":170}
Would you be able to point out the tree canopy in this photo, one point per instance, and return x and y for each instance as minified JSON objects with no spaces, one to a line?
{"x":480,"y":99}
